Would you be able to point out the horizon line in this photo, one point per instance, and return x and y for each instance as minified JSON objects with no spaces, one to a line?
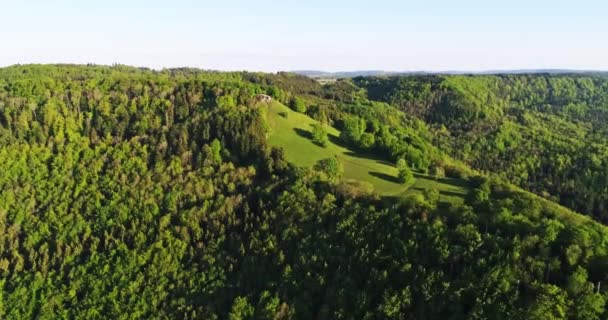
{"x":321,"y":71}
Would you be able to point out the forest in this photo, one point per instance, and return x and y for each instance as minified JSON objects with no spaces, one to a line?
{"x":545,"y":133}
{"x":130,"y":193}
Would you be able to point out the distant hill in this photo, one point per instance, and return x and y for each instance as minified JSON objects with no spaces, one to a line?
{"x":342,"y":74}
{"x":367,"y":73}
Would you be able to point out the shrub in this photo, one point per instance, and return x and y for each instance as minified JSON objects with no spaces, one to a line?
{"x":298,"y":105}
{"x":354,"y":189}
{"x":405,"y":175}
{"x":437,"y":171}
{"x":319,"y":135}
{"x":331,"y":167}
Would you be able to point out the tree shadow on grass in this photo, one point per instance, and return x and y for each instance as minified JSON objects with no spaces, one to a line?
{"x":353,"y":154}
{"x":303,"y":133}
{"x":307,"y":135}
{"x":442,"y":192}
{"x":454,"y":182}
{"x":337,"y":141}
{"x":365,"y":155}
{"x":384,"y":176}
{"x":385,"y":163}
{"x":460,"y":183}
{"x":451,"y":194}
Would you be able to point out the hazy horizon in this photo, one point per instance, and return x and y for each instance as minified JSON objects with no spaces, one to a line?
{"x":302,"y":71}
{"x":341,"y":36}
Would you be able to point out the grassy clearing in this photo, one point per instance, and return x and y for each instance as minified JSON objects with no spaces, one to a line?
{"x":291,"y":130}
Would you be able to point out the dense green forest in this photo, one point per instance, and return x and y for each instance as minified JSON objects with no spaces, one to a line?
{"x":546,"y":133}
{"x":135,"y":194}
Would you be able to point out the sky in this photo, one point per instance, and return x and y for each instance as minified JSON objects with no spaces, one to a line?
{"x":338,"y":35}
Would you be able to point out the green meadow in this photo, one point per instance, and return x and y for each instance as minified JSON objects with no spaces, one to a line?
{"x":290,"y":130}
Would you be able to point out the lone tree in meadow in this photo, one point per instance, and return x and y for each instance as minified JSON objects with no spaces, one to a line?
{"x":437,"y":171}
{"x":298,"y":105}
{"x":405,"y":173}
{"x":319,"y":135}
{"x":331,"y":167}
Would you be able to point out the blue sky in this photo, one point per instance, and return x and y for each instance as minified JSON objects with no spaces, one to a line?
{"x":267,"y":35}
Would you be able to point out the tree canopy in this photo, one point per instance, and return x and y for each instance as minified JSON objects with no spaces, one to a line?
{"x":129,"y":193}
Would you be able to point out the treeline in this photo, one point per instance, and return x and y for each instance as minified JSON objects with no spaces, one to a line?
{"x":128,"y":193}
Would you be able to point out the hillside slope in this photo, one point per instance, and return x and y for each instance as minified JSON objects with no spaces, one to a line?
{"x":290,"y":130}
{"x":544,"y":133}
{"x":137,"y":194}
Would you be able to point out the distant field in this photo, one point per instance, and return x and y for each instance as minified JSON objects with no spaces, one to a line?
{"x":326,"y":80}
{"x":291,"y":132}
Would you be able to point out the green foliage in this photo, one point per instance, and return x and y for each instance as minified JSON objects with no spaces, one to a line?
{"x":431,"y":195}
{"x":367,"y":140}
{"x":241,"y":309}
{"x":550,"y":304}
{"x":290,"y":135}
{"x":352,"y":130}
{"x":404,"y":174}
{"x":437,"y":171}
{"x":331,"y":167}
{"x":545,"y":133}
{"x":298,"y":105}
{"x":319,"y":135}
{"x":226,"y":101}
{"x":136,"y":194}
